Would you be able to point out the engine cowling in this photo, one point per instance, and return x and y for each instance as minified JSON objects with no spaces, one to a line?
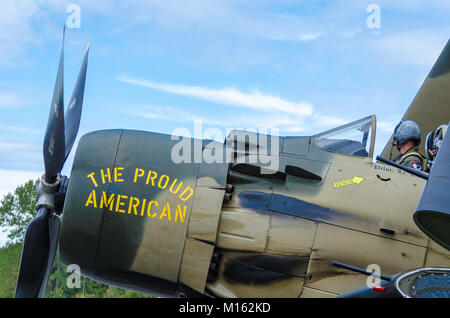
{"x":135,"y":218}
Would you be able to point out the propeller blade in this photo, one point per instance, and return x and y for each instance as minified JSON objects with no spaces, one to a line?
{"x":42,"y":235}
{"x":38,"y":254}
{"x":73,"y":112}
{"x":54,"y":140}
{"x":34,"y":258}
{"x":54,"y":224}
{"x":41,"y":238}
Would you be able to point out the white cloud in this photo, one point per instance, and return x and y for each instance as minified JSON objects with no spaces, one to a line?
{"x":9,"y":99}
{"x":20,"y":155}
{"x":309,"y":36}
{"x":386,"y":126}
{"x":16,"y":30}
{"x":288,"y":117}
{"x":228,"y":96}
{"x":20,"y":129}
{"x":414,"y":5}
{"x":248,"y":19}
{"x":351,"y":34}
{"x":177,"y":115}
{"x":303,"y":37}
{"x":7,"y":146}
{"x":11,"y":179}
{"x":416,"y":47}
{"x":205,"y":17}
{"x":171,"y":114}
{"x":330,"y":120}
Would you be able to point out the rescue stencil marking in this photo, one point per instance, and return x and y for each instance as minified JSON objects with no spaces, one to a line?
{"x":128,"y":204}
{"x":354,"y":180}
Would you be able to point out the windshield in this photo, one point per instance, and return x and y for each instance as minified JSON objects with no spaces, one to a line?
{"x":351,"y":139}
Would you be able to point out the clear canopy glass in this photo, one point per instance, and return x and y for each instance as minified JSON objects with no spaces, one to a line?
{"x":351,"y":139}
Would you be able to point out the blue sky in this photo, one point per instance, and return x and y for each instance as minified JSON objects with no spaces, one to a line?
{"x":300,"y":66}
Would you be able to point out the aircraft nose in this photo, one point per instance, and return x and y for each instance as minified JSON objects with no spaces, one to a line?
{"x":132,"y":217}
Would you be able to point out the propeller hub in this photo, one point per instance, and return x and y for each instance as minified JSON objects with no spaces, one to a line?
{"x":46,"y":192}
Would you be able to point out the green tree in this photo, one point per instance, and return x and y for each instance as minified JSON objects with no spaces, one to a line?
{"x":17,"y":210}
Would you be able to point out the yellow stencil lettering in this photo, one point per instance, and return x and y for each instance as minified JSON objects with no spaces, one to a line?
{"x":133,"y":205}
{"x":119,"y":204}
{"x":166,"y":212}
{"x":92,"y":199}
{"x":180,"y":213}
{"x":91,"y":175}
{"x":104,"y":201}
{"x":108,"y":175}
{"x":165,"y":184}
{"x":118,"y":174}
{"x":186,"y":197}
{"x":149,"y":209}
{"x":179,"y":186}
{"x":138,"y":173}
{"x":151,"y":178}
{"x":143,"y":206}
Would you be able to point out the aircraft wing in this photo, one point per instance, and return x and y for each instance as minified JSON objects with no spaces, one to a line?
{"x":431,"y":106}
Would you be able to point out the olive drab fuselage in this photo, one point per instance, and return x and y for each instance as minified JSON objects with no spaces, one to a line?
{"x":255,"y":216}
{"x":134,"y":219}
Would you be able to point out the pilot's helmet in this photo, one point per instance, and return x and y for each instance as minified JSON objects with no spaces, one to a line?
{"x":433,"y":143}
{"x":439,"y":136}
{"x":407,"y":130}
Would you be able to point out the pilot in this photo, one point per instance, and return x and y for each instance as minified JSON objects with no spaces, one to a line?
{"x":433,"y":143}
{"x":407,"y":139}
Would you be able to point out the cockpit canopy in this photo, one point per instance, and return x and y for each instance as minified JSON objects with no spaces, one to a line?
{"x":356,"y":138}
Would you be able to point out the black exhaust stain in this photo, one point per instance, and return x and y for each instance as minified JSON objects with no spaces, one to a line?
{"x":258,"y":200}
{"x":264,"y":269}
{"x":303,"y":209}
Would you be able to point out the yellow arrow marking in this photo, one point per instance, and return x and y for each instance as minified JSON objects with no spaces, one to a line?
{"x":343,"y":183}
{"x":357,"y":180}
